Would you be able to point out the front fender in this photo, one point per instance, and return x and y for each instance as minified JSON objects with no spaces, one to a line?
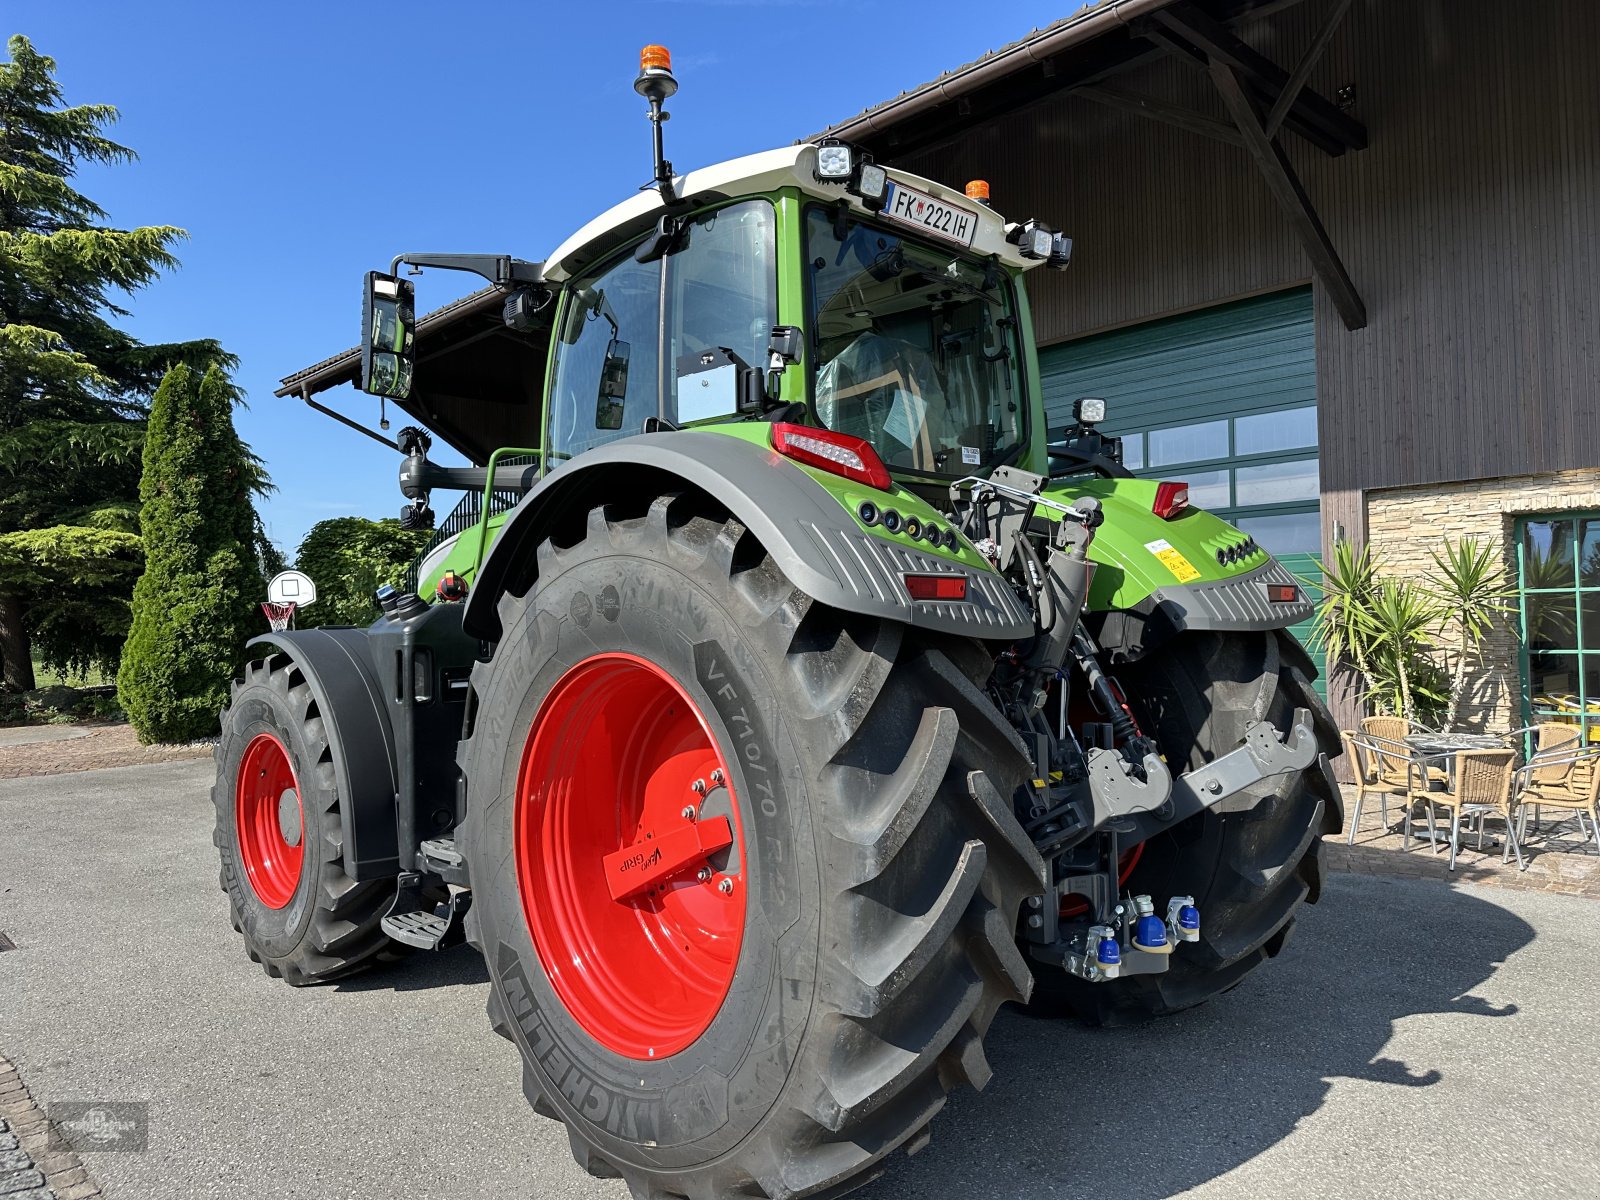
{"x":338,"y":667}
{"x":814,"y":539}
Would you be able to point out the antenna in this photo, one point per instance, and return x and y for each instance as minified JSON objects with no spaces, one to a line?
{"x":656,"y":84}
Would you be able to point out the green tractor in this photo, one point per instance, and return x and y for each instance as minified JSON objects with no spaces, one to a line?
{"x":783,"y":698}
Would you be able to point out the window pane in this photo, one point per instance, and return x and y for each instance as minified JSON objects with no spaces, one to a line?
{"x":722,"y":292}
{"x":607,"y":380}
{"x":1289,"y":533}
{"x":1188,"y":443}
{"x":1266,"y":432}
{"x":1589,"y":552}
{"x":1553,"y":681}
{"x":1133,"y":451}
{"x":1547,"y":554}
{"x":1552,"y":621}
{"x":1207,"y":489}
{"x":1590,"y":667}
{"x":1277,"y":483}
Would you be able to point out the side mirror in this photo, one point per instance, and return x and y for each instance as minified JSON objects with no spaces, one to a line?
{"x":388,"y":335}
{"x":613,"y":387}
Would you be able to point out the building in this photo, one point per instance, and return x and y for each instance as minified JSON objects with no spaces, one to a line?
{"x":1336,"y":264}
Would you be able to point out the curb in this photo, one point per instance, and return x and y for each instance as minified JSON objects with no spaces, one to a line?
{"x":33,"y":1163}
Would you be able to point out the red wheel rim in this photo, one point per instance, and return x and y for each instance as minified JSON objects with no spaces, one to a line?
{"x":270,"y":821}
{"x":617,"y":753}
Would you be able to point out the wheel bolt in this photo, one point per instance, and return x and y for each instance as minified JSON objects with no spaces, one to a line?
{"x":698,"y":787}
{"x":689,"y":812}
{"x":726,"y":887}
{"x":704,"y":875}
{"x":716,"y":776}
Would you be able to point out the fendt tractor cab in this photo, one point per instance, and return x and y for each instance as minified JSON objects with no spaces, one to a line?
{"x":783,"y":696}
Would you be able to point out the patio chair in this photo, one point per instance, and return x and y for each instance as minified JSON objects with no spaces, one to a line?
{"x":1396,"y":761}
{"x":1484,"y":788}
{"x":1567,"y":782}
{"x":1367,"y":756}
{"x":1551,"y":765}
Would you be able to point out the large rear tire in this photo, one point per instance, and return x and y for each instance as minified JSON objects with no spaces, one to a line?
{"x":875,"y":875}
{"x":281,"y":840}
{"x":1251,"y":861}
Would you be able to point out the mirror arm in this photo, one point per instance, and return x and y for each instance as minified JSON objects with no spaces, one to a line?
{"x":305,"y":395}
{"x":498,"y":269}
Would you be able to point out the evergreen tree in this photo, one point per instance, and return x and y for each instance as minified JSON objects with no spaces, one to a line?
{"x":73,"y":386}
{"x":194,"y":605}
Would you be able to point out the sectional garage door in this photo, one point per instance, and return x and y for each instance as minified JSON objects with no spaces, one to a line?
{"x":1225,"y":399}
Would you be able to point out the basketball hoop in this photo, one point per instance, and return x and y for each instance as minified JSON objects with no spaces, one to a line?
{"x":279,"y":616}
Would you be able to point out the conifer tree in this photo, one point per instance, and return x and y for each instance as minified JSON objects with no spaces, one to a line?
{"x":194,"y":605}
{"x":73,"y":387}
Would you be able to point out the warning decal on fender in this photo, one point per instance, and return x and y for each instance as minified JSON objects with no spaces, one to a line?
{"x":1171,"y":558}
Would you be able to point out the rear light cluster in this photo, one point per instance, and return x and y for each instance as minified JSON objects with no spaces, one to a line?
{"x":1172,"y":498}
{"x":911,"y":527}
{"x":837,"y":453}
{"x":1228,"y":555}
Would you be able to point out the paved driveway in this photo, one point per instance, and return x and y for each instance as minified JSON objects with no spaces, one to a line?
{"x":1414,"y":1041}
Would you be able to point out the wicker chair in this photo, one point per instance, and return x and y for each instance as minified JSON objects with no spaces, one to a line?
{"x":1566,"y":781}
{"x":1484,"y":787}
{"x":1368,"y":758}
{"x":1551,"y":767}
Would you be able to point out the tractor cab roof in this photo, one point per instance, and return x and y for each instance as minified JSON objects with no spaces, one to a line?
{"x":479,"y":383}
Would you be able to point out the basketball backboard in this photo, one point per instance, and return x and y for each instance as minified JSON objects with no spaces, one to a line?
{"x":292,"y":587}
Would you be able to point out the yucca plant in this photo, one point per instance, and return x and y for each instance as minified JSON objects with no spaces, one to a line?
{"x":1398,"y":621}
{"x":1339,"y":629}
{"x":1471,"y":591}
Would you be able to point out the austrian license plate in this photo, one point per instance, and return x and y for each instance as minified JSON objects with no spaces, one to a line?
{"x":920,"y":210}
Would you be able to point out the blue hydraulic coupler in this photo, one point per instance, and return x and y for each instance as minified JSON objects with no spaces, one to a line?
{"x":1183,"y":919}
{"x":1150,"y":931}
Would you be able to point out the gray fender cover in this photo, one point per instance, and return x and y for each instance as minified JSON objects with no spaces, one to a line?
{"x":338,"y":667}
{"x":818,"y":545}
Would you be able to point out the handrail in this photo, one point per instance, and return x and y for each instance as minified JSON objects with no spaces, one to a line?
{"x":488,"y":495}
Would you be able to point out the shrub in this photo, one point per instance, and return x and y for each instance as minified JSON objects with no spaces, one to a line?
{"x":349,"y":558}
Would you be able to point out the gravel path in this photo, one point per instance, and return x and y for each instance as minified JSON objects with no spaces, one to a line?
{"x":49,"y":750}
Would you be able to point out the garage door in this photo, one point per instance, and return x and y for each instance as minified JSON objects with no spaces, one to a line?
{"x":1225,"y":399}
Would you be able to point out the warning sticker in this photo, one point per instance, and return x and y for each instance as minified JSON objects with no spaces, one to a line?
{"x":1173,"y":560}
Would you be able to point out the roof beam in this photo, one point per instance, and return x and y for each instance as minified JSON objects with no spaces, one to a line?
{"x":1219,"y":43}
{"x":1163,"y":111}
{"x":1291,"y":196}
{"x":1189,"y":56}
{"x":1297,"y":78}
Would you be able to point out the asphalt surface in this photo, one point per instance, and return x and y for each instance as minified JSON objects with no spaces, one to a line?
{"x":1413,"y":1041}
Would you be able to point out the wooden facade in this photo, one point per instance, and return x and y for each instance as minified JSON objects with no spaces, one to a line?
{"x":1470,"y":225}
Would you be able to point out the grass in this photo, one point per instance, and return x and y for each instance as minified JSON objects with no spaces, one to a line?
{"x":46,"y":677}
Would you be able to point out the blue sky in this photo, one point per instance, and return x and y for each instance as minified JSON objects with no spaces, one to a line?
{"x":303,"y":144}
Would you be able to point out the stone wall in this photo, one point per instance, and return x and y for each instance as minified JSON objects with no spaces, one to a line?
{"x":1405,"y":524}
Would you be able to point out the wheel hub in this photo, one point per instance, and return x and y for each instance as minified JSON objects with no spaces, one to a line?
{"x":630,"y":877}
{"x":269,"y":820}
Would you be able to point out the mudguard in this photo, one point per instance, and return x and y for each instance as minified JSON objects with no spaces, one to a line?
{"x":818,"y":544}
{"x":338,"y":667}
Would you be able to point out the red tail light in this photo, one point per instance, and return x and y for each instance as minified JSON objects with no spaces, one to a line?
{"x":1171,"y":499}
{"x":937,"y":587}
{"x":838,"y":453}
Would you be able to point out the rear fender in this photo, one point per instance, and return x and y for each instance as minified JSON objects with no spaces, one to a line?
{"x":338,"y":667}
{"x":817,"y":543}
{"x":1157,"y":577}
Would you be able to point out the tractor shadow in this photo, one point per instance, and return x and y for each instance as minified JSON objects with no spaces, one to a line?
{"x":421,"y":972}
{"x":1136,"y":1114}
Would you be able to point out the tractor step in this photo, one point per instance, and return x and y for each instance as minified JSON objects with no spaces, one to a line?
{"x":417,"y":920}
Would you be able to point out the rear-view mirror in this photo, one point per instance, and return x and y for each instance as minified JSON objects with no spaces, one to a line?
{"x":613,"y":387}
{"x":388,"y":335}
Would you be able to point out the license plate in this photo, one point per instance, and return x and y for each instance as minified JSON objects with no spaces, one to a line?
{"x":920,"y":210}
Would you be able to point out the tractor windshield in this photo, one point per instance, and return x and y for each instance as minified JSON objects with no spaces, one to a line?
{"x":915,"y":348}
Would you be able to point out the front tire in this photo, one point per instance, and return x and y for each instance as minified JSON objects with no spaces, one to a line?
{"x":281,"y":840}
{"x":875,"y":855}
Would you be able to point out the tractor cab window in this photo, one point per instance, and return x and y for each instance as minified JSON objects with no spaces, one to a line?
{"x":915,"y":346}
{"x":619,"y":362}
